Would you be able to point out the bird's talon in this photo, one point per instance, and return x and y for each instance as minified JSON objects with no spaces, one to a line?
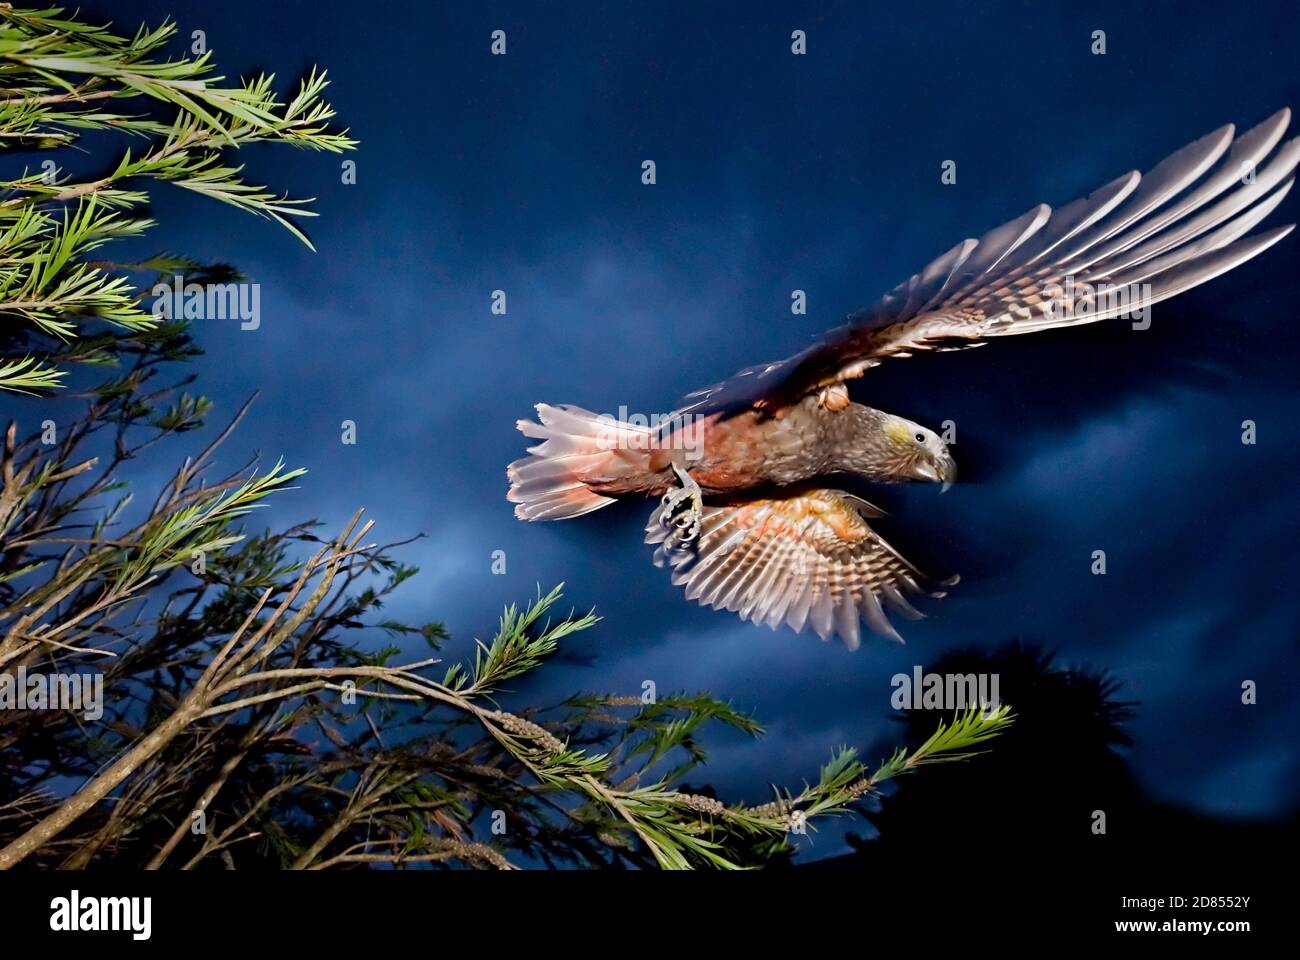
{"x":684,"y":509}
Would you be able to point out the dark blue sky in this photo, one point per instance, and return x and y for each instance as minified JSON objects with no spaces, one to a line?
{"x":778,"y":172}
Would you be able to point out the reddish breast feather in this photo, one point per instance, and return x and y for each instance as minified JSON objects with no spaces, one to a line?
{"x":734,"y":453}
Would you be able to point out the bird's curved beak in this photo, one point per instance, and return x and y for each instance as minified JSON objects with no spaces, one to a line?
{"x":947,"y":470}
{"x":937,"y":471}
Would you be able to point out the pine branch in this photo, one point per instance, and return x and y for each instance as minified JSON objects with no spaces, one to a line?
{"x":59,"y":79}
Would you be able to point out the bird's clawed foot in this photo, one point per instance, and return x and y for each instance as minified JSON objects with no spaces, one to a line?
{"x":683,"y":511}
{"x":834,"y":398}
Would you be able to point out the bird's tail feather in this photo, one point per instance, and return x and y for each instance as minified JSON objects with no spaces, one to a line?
{"x":578,"y":448}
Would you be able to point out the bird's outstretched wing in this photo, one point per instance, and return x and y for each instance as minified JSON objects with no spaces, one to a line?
{"x":1141,"y":239}
{"x":806,"y":560}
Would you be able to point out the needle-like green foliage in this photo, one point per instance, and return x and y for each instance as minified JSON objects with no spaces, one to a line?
{"x":61,"y":80}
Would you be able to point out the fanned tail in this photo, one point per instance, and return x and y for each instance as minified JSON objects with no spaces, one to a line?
{"x":579,"y":449}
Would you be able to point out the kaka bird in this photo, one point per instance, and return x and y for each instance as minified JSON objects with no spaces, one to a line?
{"x":743,"y":523}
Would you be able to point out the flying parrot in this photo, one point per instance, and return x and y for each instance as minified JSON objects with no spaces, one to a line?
{"x":744,"y":523}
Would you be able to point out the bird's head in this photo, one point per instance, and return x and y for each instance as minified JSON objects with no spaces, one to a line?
{"x":910,"y":451}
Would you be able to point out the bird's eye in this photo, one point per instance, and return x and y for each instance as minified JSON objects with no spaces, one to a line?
{"x":920,"y":438}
